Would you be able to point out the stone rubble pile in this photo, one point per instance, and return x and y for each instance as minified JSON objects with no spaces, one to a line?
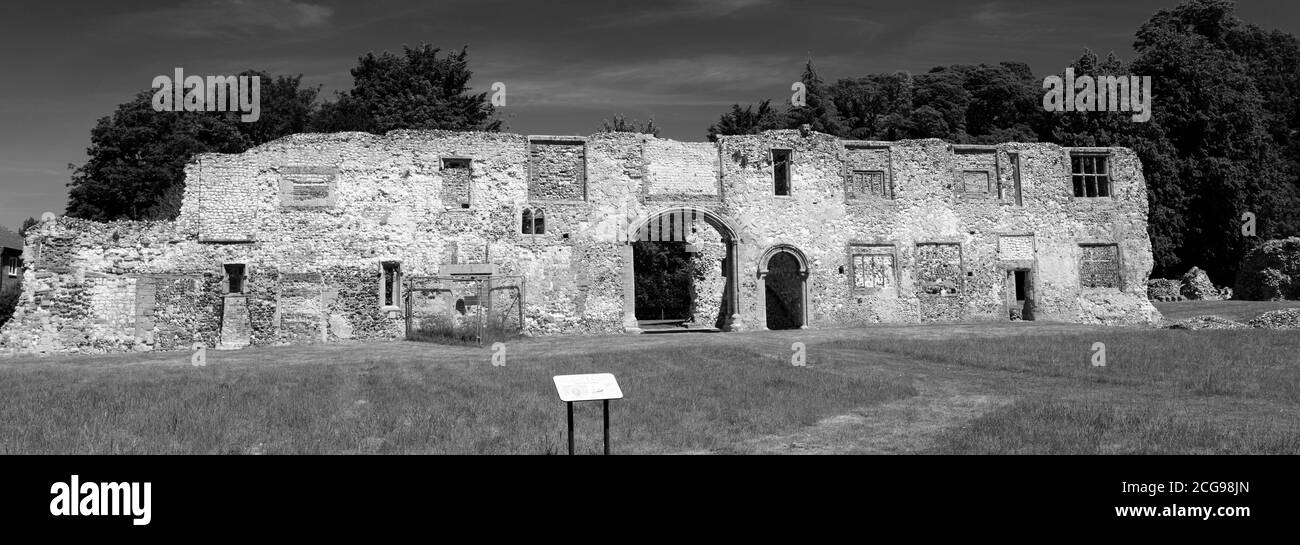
{"x":1164,"y":289}
{"x":1194,"y":285}
{"x":1207,"y":322}
{"x":1197,"y":286}
{"x":1286,"y":318}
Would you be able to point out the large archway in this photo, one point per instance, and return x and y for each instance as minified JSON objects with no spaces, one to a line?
{"x":783,"y":287}
{"x":672,"y":225}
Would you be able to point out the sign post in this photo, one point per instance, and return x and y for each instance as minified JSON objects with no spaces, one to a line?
{"x":594,"y":387}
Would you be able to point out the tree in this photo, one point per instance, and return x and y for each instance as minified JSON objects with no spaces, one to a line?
{"x":1222,"y":106}
{"x":138,"y":155}
{"x":819,"y":112}
{"x":621,"y":124}
{"x":27,"y":224}
{"x":415,"y":90}
{"x":747,"y":121}
{"x":1223,"y":139}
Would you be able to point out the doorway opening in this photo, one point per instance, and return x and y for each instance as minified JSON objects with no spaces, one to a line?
{"x":1020,"y":299}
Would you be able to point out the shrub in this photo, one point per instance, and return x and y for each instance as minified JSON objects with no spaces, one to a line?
{"x":443,"y":330}
{"x":9,"y":302}
{"x":1270,"y":271}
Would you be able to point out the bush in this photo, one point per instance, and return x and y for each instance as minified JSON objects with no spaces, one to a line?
{"x":9,"y":302}
{"x":1270,"y":271}
{"x":442,"y":330}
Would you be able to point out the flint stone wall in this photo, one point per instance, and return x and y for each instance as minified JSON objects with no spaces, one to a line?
{"x":314,"y":272}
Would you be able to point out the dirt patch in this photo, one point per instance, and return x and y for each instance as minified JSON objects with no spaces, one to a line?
{"x":894,"y":428}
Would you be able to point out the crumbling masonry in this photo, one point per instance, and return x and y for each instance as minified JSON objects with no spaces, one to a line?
{"x":329,"y":237}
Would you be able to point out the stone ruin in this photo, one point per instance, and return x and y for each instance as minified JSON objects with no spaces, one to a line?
{"x":1194,"y":285}
{"x":318,"y":238}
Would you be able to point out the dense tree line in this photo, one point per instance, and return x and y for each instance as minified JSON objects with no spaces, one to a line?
{"x":137,"y":155}
{"x":1223,"y":139}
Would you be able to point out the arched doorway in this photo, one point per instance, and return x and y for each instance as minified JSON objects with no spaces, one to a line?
{"x":783,"y":287}
{"x":672,"y":225}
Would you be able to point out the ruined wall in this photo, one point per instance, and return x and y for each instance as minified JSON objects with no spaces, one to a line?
{"x":314,"y":218}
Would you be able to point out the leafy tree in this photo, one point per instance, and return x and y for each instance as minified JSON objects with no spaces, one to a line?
{"x":747,"y":121}
{"x":663,"y":280}
{"x":819,"y":111}
{"x":1224,"y":137}
{"x":415,"y":90}
{"x":27,"y":224}
{"x":138,"y":155}
{"x":621,"y":124}
{"x":1220,"y":89}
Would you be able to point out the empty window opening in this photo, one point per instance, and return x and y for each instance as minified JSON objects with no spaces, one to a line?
{"x":534,"y":222}
{"x":1022,"y":285}
{"x":1091,"y":175}
{"x":391,"y":285}
{"x":235,"y":278}
{"x":1015,"y":177}
{"x":781,"y":171}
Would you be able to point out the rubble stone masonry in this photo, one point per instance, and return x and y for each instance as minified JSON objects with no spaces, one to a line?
{"x":313,"y":218}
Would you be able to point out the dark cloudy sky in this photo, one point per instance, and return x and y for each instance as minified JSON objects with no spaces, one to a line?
{"x":63,"y":65}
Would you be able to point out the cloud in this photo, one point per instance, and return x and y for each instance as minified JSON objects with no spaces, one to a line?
{"x":693,"y":10}
{"x":230,"y":18}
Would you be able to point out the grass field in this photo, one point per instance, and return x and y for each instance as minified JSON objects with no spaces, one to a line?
{"x":969,"y":388}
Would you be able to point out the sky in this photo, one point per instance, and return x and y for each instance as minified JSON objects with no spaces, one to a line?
{"x":566,"y":65}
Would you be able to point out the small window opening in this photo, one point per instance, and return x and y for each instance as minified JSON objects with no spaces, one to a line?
{"x":392,"y":283}
{"x":781,"y":171}
{"x":235,"y":276}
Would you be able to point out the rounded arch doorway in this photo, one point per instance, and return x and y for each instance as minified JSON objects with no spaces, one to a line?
{"x":783,"y":287}
{"x":670,"y":225}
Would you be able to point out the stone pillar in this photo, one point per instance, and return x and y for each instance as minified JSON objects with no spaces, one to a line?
{"x":630,"y":324}
{"x":734,"y":322}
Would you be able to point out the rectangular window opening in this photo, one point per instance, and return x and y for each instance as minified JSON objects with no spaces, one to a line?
{"x":1091,"y":175}
{"x":392,"y":283}
{"x":235,"y":275}
{"x":781,"y":171}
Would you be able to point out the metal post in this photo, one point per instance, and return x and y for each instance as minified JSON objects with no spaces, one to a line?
{"x":570,"y":428}
{"x":606,"y":427}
